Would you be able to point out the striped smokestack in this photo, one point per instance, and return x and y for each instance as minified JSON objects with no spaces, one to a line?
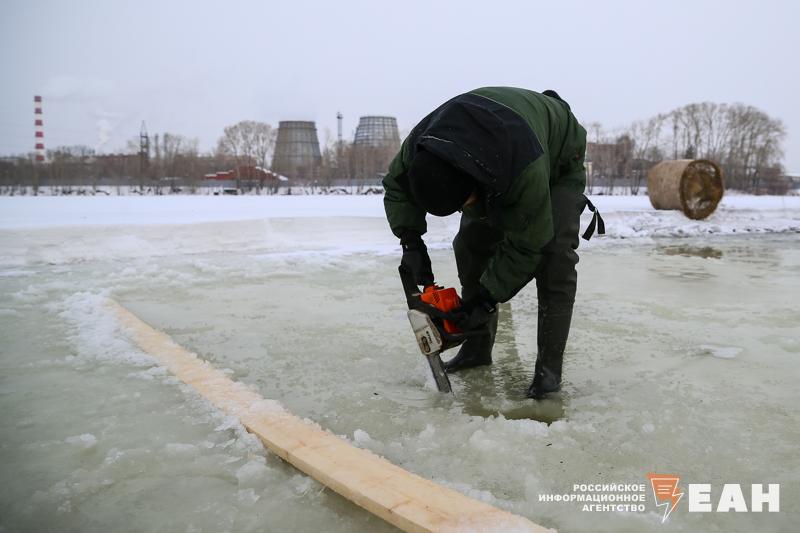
{"x":39,"y":128}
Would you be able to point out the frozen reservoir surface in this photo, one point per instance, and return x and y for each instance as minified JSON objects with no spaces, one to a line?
{"x":684,"y":359}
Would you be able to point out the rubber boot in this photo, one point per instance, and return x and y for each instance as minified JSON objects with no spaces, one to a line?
{"x":552,"y":339}
{"x":476,"y":351}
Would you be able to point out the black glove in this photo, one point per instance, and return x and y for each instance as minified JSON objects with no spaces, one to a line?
{"x":416,"y":259}
{"x":475,"y":313}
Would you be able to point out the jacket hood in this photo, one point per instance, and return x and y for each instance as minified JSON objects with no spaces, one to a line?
{"x":482,"y":137}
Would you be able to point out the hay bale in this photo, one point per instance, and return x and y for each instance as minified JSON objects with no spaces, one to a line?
{"x":693,"y":186}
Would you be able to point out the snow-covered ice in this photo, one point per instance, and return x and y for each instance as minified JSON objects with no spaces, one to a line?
{"x":683,"y":359}
{"x":626,"y":215}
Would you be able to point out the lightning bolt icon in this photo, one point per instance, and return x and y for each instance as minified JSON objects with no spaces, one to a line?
{"x":666,"y":492}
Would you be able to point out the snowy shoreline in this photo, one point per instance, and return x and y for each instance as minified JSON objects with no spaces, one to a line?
{"x":625,"y":216}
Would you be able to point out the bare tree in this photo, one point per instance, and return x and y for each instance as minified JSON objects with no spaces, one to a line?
{"x":602,"y":154}
{"x":744,"y":140}
{"x":336,"y":159}
{"x":69,"y":166}
{"x":176,"y":149}
{"x":594,"y":136}
{"x":248,"y":143}
{"x":264,"y":137}
{"x":369,"y":162}
{"x":595,"y":132}
{"x":645,"y":136}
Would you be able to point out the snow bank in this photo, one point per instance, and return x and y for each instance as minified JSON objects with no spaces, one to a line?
{"x":25,"y":212}
{"x":626,"y":216}
{"x":633,"y":216}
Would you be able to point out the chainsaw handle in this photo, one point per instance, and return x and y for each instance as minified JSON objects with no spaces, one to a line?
{"x":414,"y":300}
{"x":409,"y":286}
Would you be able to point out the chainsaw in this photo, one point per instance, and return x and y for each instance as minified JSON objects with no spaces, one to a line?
{"x":428,"y":313}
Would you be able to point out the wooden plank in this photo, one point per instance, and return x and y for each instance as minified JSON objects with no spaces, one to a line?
{"x":403,"y":499}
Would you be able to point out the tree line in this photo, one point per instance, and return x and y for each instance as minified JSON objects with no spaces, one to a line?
{"x":170,"y":162}
{"x":745,"y":141}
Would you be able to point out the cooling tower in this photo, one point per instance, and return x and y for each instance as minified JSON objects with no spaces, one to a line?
{"x":376,"y":143}
{"x":297,"y":152}
{"x":377,"y":131}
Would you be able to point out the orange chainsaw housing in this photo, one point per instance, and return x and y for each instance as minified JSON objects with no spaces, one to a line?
{"x":444,"y":300}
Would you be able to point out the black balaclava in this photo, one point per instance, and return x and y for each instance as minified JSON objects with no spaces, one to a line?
{"x":438,"y":187}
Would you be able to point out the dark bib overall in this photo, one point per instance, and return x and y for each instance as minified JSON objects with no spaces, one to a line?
{"x":556,"y":278}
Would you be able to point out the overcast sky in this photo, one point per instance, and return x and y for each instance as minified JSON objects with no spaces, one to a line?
{"x":194,"y":67}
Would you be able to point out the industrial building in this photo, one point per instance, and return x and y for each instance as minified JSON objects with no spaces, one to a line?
{"x":376,"y":142}
{"x":297,"y":154}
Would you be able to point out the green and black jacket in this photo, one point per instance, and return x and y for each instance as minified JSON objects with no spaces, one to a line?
{"x":517,"y":144}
